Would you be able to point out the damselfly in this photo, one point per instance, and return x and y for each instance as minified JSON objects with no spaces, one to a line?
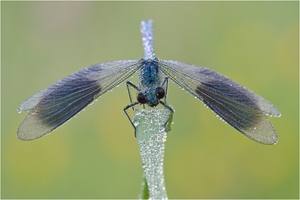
{"x":238,"y":106}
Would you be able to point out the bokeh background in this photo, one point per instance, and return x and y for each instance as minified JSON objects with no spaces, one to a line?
{"x":95,"y":155}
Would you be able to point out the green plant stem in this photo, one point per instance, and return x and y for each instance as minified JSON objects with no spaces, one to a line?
{"x":151,"y":134}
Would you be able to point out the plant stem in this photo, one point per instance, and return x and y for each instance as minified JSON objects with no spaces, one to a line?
{"x":151,"y":134}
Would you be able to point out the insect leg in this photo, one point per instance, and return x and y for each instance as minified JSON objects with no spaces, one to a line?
{"x":167,"y":128}
{"x":125,"y":111}
{"x":128,"y":83}
{"x":166,"y":83}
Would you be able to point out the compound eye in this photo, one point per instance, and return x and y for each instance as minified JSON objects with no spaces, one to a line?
{"x":160,"y":92}
{"x":141,"y":98}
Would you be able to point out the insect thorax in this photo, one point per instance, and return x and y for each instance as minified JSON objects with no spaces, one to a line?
{"x":149,"y":74}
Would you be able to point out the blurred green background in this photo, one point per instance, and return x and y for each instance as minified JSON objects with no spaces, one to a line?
{"x":95,"y":155}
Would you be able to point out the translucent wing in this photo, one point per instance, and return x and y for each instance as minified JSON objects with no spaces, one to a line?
{"x":235,"y":104}
{"x":59,"y":102}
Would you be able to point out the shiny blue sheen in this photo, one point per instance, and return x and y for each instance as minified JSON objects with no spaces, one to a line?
{"x":150,"y":77}
{"x":233,"y":103}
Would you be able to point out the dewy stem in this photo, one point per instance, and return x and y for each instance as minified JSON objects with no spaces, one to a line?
{"x":151,"y":133}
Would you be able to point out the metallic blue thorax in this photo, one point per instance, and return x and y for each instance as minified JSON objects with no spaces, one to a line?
{"x":150,"y":77}
{"x":149,"y":74}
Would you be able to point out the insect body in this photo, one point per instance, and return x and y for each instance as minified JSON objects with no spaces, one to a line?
{"x":238,"y":106}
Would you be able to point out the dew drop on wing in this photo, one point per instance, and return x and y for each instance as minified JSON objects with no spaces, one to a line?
{"x":57,"y":107}
{"x":238,"y":110}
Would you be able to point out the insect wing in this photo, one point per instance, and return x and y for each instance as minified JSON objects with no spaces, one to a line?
{"x":59,"y":102}
{"x":235,"y":104}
